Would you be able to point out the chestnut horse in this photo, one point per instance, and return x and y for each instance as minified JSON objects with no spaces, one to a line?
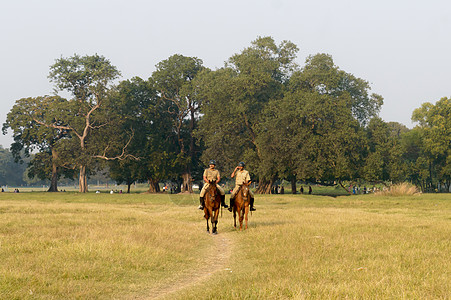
{"x":212,"y":206}
{"x":241,"y":205}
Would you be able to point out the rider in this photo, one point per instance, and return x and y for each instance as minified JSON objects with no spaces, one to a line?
{"x":211,"y":174}
{"x":242,"y":176}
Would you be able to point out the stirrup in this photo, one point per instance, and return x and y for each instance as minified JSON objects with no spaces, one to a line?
{"x":200,"y":207}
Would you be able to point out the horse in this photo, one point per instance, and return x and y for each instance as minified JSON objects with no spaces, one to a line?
{"x":241,"y":205}
{"x":212,"y":206}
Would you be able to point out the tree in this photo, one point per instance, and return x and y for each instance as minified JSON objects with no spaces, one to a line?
{"x":91,"y":124}
{"x":136,"y":100}
{"x":26,"y":119}
{"x":234,"y":98}
{"x":11,"y":172}
{"x":435,"y":130}
{"x":315,"y":131}
{"x":173,"y":80}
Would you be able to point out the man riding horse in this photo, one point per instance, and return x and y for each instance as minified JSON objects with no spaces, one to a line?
{"x":242,"y":176}
{"x":211,"y":174}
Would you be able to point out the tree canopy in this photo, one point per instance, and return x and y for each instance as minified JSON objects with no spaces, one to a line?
{"x":313,"y":122}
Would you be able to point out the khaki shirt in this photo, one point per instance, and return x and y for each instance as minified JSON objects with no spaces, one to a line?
{"x":211,"y":174}
{"x":241,"y":177}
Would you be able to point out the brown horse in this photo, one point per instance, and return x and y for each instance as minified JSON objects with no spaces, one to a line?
{"x":212,"y":206}
{"x":241,"y":205}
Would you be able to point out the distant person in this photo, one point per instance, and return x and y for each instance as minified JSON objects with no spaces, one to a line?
{"x":111,"y":192}
{"x":302,"y":189}
{"x":282,"y":190}
{"x":3,"y":190}
{"x":310,"y":190}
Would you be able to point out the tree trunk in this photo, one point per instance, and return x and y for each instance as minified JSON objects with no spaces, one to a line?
{"x":293,"y":185}
{"x":83,"y":181}
{"x":154,"y":187}
{"x":187,"y":185}
{"x":54,"y":181}
{"x":347,"y":191}
{"x":264,"y":186}
{"x":128,"y":187}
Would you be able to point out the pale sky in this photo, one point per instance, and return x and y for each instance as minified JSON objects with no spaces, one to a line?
{"x":402,"y":47}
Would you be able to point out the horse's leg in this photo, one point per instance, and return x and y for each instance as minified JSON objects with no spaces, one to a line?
{"x":234,"y":217}
{"x":215,"y":222}
{"x":207,"y":216}
{"x":246,"y":212}
{"x":241,"y":218}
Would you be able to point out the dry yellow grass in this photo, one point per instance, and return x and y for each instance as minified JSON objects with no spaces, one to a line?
{"x":59,"y":246}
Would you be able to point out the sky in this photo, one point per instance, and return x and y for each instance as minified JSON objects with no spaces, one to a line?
{"x":401,"y":47}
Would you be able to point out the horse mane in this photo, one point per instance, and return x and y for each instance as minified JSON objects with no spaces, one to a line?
{"x":212,"y":184}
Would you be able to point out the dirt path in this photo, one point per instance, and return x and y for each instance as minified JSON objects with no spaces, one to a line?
{"x":219,"y":255}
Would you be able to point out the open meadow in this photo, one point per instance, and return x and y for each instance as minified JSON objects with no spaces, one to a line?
{"x":143,"y":246}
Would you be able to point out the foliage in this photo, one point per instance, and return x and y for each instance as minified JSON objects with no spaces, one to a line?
{"x":314,"y":122}
{"x":91,"y":122}
{"x":435,"y":132}
{"x":173,"y":79}
{"x":11,"y":172}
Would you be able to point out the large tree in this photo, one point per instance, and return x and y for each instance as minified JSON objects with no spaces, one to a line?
{"x":435,"y":129}
{"x":91,"y":122}
{"x":234,"y":98}
{"x":173,"y":80}
{"x":25,"y":120}
{"x":332,"y":107}
{"x":154,"y":142}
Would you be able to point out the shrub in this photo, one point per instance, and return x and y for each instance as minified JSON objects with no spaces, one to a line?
{"x":401,"y":189}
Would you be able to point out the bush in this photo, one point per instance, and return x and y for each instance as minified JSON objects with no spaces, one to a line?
{"x":401,"y":189}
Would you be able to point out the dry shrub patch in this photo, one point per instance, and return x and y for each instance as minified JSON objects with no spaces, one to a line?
{"x":401,"y":189}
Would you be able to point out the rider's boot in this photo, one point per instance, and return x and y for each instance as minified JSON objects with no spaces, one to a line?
{"x":223,"y":201}
{"x":202,"y":203}
{"x":252,"y":205}
{"x":232,"y":202}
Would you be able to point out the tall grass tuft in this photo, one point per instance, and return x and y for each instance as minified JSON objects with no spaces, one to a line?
{"x":401,"y":189}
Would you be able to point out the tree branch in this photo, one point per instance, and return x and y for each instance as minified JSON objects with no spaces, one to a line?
{"x":122,"y":156}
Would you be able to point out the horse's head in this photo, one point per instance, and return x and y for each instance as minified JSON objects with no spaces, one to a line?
{"x":212,"y":188}
{"x":245,"y":190}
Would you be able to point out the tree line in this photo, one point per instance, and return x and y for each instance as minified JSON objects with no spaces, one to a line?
{"x":314,"y":122}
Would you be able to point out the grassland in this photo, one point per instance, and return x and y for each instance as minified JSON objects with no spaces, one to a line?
{"x":102,"y":246}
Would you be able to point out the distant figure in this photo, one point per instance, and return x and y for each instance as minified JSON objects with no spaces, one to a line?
{"x":282,"y":190}
{"x":302,"y":189}
{"x":309,"y":190}
{"x":97,"y":192}
{"x":3,"y":190}
{"x":111,"y":192}
{"x":364,"y":189}
{"x":120,"y":192}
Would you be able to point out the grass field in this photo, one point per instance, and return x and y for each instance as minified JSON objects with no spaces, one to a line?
{"x":101,"y":246}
